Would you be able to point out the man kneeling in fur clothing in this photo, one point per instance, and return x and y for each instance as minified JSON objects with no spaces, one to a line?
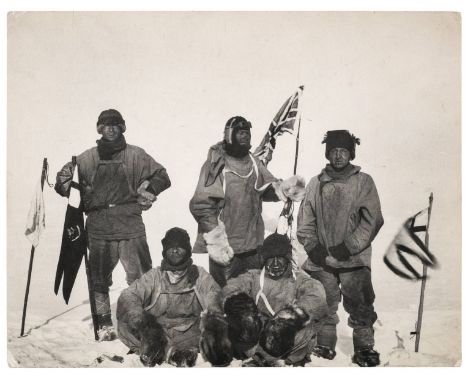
{"x":274,"y":313}
{"x":174,"y":310}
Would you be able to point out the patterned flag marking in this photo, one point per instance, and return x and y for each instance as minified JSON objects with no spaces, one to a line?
{"x":284,"y":121}
{"x":36,"y":217}
{"x":408,"y":250}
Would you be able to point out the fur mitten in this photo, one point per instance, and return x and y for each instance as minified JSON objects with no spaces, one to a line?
{"x":318,"y":254}
{"x":154,"y":343}
{"x":340,"y":252}
{"x":292,"y":188}
{"x":243,"y":319}
{"x":134,"y":321}
{"x":277,"y":338}
{"x":215,"y":346}
{"x":218,"y":246}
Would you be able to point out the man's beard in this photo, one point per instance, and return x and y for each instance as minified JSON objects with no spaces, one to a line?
{"x":236,"y":150}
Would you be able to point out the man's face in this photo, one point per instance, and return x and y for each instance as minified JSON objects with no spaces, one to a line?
{"x":339,"y":158}
{"x":243,"y":137}
{"x":176,"y":255}
{"x":110,"y":133}
{"x":276,"y":266}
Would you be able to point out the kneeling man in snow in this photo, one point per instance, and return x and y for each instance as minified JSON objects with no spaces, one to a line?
{"x":174,"y":310}
{"x":274,"y":313}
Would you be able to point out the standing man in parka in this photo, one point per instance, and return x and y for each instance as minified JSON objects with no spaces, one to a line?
{"x":117,"y":181}
{"x":338,"y":219}
{"x":227,"y":203}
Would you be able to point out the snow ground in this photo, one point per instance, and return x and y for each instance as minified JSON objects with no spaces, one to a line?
{"x":66,"y":339}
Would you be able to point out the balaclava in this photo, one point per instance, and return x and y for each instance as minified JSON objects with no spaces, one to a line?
{"x":176,"y":237}
{"x":232,"y":147}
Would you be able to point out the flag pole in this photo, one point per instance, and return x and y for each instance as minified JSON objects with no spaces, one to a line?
{"x":289,"y":204}
{"x":287,"y":209}
{"x":31,"y":258}
{"x":297,"y":136}
{"x":423,"y":281}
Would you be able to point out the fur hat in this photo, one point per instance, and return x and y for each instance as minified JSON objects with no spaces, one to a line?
{"x":276,"y":245}
{"x":340,"y":138}
{"x":177,"y":237}
{"x":235,"y":123}
{"x":110,"y":117}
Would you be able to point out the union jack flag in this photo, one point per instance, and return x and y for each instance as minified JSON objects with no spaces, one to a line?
{"x":284,"y":121}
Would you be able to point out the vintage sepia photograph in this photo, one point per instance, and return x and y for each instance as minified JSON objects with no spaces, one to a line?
{"x":233,"y":189}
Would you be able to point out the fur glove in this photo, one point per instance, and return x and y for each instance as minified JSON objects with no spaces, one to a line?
{"x":277,"y":338}
{"x":340,"y":252}
{"x":154,"y":343}
{"x":215,"y":346}
{"x":218,"y":246}
{"x":145,"y":198}
{"x":134,"y":320}
{"x":292,"y":188}
{"x":243,"y":319}
{"x":318,"y":254}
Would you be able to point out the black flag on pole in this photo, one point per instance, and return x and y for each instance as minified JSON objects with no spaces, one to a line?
{"x":74,"y":243}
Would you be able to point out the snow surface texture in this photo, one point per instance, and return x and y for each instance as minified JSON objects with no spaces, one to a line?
{"x":66,"y":339}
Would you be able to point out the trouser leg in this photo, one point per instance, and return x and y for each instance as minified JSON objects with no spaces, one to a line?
{"x":243,"y":262}
{"x":240,"y":263}
{"x":103,"y":258}
{"x":304,"y":342}
{"x":188,"y":339}
{"x":219,"y":272}
{"x":326,"y":335}
{"x":358,"y":300}
{"x":135,"y":257}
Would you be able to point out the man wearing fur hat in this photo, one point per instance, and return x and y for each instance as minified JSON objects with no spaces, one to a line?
{"x":173,"y":309}
{"x":338,"y":219}
{"x":274,"y":313}
{"x":227,"y":203}
{"x":118,"y":181}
